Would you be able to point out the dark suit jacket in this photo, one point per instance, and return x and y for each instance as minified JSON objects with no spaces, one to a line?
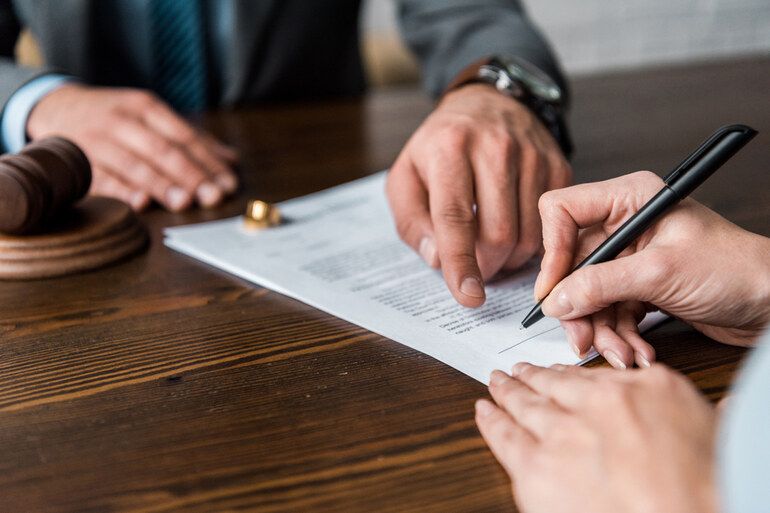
{"x":280,"y":49}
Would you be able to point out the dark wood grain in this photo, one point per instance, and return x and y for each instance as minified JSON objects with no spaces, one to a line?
{"x":161,"y":384}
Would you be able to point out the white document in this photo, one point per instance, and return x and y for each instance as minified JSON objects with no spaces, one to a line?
{"x":338,"y":251}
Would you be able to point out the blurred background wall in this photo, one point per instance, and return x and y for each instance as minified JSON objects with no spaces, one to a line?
{"x":599,"y":35}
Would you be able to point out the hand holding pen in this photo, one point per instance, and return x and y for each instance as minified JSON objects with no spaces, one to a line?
{"x":662,"y":267}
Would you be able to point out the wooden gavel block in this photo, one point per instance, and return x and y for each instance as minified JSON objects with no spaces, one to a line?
{"x":49,"y":229}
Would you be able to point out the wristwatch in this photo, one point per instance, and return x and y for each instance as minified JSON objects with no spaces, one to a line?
{"x":524,"y":82}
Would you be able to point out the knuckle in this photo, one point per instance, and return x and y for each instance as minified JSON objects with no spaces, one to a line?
{"x":135,"y":168}
{"x":188,"y":137}
{"x":585,"y":286}
{"x":456,"y":214}
{"x":407,"y":230}
{"x":141,"y":172}
{"x":177,"y":160}
{"x":560,"y":433}
{"x":113,"y":116}
{"x":500,"y":141}
{"x":103,"y":183}
{"x":394,"y":181}
{"x":564,"y":174}
{"x":504,"y":432}
{"x":548,"y":203}
{"x":528,"y":373}
{"x":125,"y":160}
{"x":529,"y":242}
{"x":161,"y":146}
{"x":454,"y":134}
{"x":530,"y":156}
{"x":506,"y":392}
{"x":663,"y":377}
{"x":459,"y":260}
{"x":527,"y":410}
{"x":618,"y":395}
{"x":91,"y":138}
{"x":140,"y":99}
{"x":501,"y":235}
{"x":185,"y":134}
{"x":647,"y":176}
{"x":579,"y":431}
{"x":648,"y":180}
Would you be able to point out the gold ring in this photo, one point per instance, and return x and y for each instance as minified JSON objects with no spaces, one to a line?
{"x":260,"y":214}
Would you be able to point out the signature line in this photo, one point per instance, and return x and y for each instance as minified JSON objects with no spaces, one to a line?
{"x":527,"y":339}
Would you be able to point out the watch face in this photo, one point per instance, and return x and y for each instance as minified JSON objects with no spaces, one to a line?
{"x":538,"y":83}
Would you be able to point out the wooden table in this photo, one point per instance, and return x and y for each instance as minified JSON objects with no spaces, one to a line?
{"x":161,"y":384}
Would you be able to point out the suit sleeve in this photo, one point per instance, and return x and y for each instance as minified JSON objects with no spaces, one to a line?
{"x":12,"y":76}
{"x":448,"y":35}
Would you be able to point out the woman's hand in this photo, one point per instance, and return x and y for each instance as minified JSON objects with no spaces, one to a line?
{"x":599,"y":440}
{"x":692,"y":264}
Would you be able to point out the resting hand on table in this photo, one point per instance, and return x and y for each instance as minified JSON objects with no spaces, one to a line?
{"x":140,"y":150}
{"x":576,"y":439}
{"x":464,"y":189}
{"x":692,"y":264}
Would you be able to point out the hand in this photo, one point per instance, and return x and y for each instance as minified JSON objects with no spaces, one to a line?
{"x":138,"y":147}
{"x":464,"y":189}
{"x":692,"y":264}
{"x":599,"y":440}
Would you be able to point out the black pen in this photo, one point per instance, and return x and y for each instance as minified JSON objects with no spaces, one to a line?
{"x":707,"y":158}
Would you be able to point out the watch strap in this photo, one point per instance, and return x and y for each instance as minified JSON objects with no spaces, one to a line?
{"x":467,"y":75}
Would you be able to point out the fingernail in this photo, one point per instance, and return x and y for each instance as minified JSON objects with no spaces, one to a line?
{"x":557,"y":304}
{"x":208,"y":194}
{"x":568,"y":327}
{"x":177,"y":198}
{"x":641,"y":361}
{"x":138,"y":200}
{"x":427,"y":251}
{"x":723,"y":404}
{"x":614,"y":360}
{"x":231,"y":152}
{"x":497,"y":378}
{"x":484,"y":407}
{"x":228,"y":183}
{"x":537,"y":289}
{"x":472,"y":287}
{"x":518,"y":369}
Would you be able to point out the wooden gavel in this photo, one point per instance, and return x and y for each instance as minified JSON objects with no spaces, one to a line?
{"x":44,"y":178}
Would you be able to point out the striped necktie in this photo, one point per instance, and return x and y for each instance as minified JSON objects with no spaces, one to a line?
{"x":179,"y":53}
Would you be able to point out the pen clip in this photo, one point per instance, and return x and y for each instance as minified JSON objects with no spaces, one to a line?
{"x":707,"y":145}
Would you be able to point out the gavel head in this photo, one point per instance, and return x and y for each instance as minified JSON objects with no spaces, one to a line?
{"x":44,"y":179}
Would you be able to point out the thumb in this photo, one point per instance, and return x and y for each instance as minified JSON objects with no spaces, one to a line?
{"x":595,"y":287}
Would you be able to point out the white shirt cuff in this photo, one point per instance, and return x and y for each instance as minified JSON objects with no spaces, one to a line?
{"x":13,"y":125}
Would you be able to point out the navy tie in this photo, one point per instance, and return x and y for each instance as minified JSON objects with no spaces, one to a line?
{"x":179,"y":53}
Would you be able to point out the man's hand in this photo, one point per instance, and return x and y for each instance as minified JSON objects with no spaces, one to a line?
{"x":692,"y":264}
{"x":464,"y":190}
{"x":599,"y":440}
{"x":138,"y":147}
